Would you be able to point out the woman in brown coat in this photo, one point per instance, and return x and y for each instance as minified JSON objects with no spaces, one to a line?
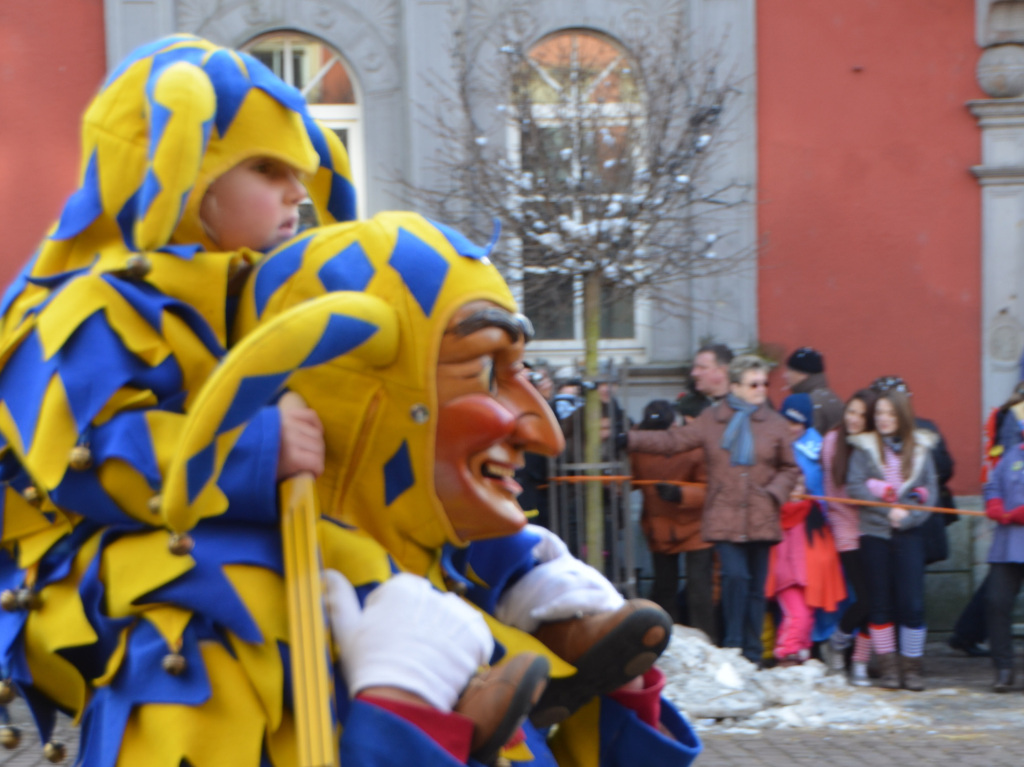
{"x":751,"y":472}
{"x":670,"y":521}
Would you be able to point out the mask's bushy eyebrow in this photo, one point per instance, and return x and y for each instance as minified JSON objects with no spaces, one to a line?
{"x":514,"y":325}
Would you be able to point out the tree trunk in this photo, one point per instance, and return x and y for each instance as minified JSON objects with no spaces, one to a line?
{"x":592,"y":419}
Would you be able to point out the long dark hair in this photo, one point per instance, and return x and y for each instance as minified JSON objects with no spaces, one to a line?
{"x":905,"y":425}
{"x":1015,"y":398}
{"x":841,"y":459}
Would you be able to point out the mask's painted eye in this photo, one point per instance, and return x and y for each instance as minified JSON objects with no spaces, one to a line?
{"x":487,"y":376}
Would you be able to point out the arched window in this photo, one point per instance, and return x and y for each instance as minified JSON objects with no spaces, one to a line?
{"x":583,"y":106}
{"x":320,"y":73}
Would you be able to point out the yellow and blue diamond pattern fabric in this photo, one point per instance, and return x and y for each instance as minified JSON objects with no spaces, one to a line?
{"x":173,"y":117}
{"x":106,"y":338}
{"x":380,"y":421}
{"x":254,"y":373}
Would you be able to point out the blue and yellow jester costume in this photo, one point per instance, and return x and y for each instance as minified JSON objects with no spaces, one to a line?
{"x":170,"y":657}
{"x":381,"y":513}
{"x":105,"y":338}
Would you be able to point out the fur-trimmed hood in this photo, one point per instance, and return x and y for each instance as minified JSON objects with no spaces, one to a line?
{"x":924,"y":442}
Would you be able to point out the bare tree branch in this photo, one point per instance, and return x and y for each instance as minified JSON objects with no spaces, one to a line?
{"x":593,"y":156}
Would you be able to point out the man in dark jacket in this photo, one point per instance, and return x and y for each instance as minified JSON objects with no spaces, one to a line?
{"x":805,"y":374}
{"x":709,"y":374}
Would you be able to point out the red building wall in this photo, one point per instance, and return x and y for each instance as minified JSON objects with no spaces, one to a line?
{"x":869,"y":216}
{"x":52,"y":61}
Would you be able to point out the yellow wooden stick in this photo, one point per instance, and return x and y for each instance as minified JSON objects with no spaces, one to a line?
{"x":307,"y":631}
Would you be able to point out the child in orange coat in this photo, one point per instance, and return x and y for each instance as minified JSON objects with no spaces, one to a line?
{"x":804,"y":573}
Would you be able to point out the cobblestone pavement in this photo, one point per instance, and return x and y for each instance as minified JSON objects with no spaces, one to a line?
{"x":30,"y":751}
{"x":962,"y":724}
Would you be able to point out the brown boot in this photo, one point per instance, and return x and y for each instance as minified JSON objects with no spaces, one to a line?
{"x":607,"y":650}
{"x":499,"y":700}
{"x":888,"y":665}
{"x":912,"y":677}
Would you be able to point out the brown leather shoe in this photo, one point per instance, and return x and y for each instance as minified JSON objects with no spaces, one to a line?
{"x":499,"y":700}
{"x":607,"y":650}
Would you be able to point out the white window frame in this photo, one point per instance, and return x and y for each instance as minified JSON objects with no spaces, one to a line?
{"x":563,"y":350}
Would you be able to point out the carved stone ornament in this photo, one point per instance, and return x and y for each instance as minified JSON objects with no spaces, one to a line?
{"x":325,"y":14}
{"x":191,"y":15}
{"x":262,"y":12}
{"x":1005,"y":338}
{"x":1000,"y":71}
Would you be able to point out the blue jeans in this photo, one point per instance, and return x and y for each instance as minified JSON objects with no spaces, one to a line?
{"x":894,"y":572}
{"x":744,"y":570}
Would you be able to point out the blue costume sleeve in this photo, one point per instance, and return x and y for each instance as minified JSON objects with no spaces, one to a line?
{"x":624,"y":740}
{"x":628,"y":742}
{"x":489,"y":567}
{"x":249,"y":477}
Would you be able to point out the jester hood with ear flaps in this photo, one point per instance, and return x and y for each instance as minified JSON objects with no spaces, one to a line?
{"x":380,"y":421}
{"x":168,"y":121}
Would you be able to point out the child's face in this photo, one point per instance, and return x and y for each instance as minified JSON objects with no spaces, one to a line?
{"x":254,"y":205}
{"x":886,"y":420}
{"x":796,"y":430}
{"x":855,"y":416}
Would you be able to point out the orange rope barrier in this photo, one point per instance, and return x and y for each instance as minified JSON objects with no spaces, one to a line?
{"x":907,"y":506}
{"x":831,"y":499}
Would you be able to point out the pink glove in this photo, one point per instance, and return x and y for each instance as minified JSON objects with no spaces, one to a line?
{"x":994,"y":510}
{"x":1016,"y":516}
{"x":922,"y":494}
{"x":882,"y":490}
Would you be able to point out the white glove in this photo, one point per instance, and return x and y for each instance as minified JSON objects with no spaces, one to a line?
{"x":550,"y":546}
{"x":408,"y":635}
{"x":559,"y":587}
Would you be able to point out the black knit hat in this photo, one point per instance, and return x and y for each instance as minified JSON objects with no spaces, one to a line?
{"x":691,"y":404}
{"x":806,"y":360}
{"x":658,"y":415}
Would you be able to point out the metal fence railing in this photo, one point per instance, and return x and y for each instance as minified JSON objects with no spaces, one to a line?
{"x":569,"y":476}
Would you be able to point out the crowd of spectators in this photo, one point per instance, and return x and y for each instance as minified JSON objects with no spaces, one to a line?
{"x":805,"y":529}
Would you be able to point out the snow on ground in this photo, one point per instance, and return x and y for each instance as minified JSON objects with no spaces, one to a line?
{"x":717,"y":688}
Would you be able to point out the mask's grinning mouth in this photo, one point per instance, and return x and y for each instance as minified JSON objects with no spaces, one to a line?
{"x":497,"y":470}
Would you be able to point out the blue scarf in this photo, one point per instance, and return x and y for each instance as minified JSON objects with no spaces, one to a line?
{"x":737,"y":438}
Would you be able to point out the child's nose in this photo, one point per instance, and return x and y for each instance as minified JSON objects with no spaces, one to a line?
{"x":295,"y":192}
